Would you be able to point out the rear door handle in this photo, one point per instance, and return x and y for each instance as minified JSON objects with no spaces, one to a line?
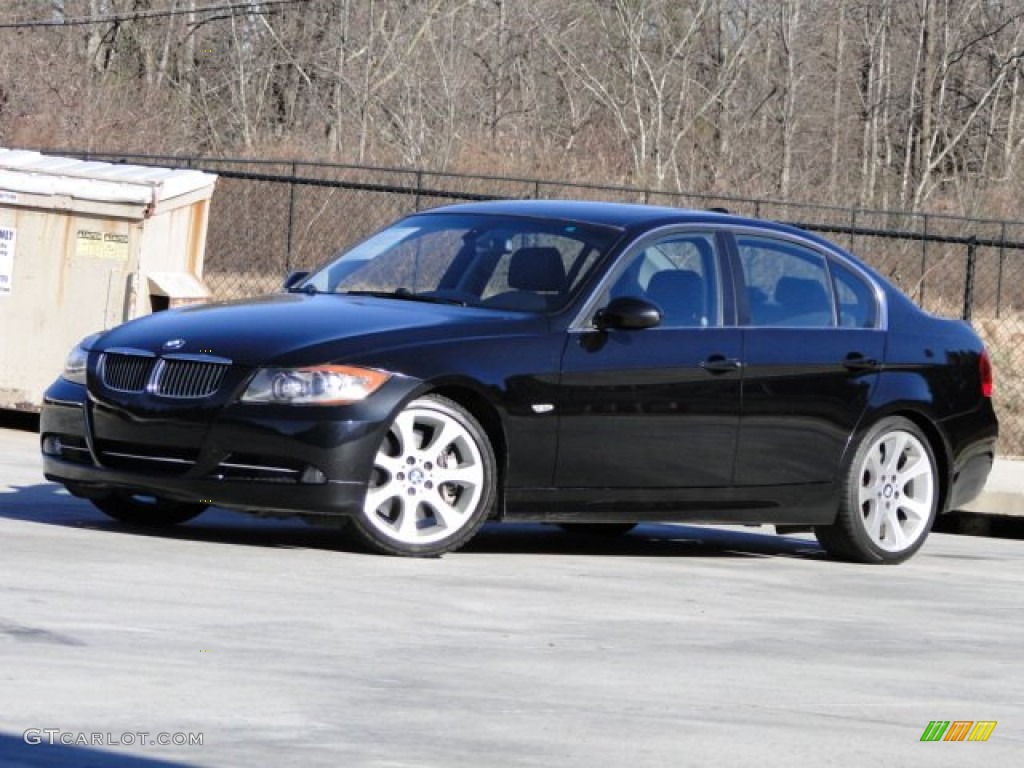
{"x":721,"y":364}
{"x":855,"y":361}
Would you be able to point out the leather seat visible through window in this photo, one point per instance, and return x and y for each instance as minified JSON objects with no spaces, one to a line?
{"x":799,"y":296}
{"x":537,"y":278}
{"x":679,"y":293}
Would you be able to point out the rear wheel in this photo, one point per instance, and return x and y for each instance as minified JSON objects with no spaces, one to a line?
{"x":433,"y":482}
{"x":149,"y":511}
{"x":890,"y":496}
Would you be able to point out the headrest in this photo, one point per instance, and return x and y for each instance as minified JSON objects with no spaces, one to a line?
{"x":536,"y":269}
{"x":802,"y":294}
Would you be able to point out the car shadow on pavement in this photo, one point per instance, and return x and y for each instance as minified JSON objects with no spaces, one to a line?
{"x":33,"y":748}
{"x":646,"y":540}
{"x":23,"y":421}
{"x":49,"y":504}
{"x":978,"y":524}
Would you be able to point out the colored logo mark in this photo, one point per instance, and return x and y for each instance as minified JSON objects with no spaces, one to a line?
{"x":958,"y":730}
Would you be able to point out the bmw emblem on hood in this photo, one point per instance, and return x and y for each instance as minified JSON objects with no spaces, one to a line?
{"x":172,"y":344}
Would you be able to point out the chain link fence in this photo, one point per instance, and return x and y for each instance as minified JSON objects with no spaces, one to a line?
{"x":269,"y":217}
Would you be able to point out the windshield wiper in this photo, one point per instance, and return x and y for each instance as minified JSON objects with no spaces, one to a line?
{"x":404,"y":294}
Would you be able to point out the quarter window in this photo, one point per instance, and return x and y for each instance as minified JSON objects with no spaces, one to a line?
{"x":856,"y":301}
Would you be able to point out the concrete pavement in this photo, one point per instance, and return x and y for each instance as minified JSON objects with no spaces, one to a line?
{"x":278,"y":644}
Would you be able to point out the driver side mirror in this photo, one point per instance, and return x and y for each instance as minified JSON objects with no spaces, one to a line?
{"x":627,"y":313}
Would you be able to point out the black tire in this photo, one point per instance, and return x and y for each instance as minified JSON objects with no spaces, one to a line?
{"x":147,"y":511}
{"x":598,"y":529}
{"x":434,"y":482}
{"x":890,"y":495}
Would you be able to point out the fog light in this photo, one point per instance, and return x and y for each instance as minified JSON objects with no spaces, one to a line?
{"x":312,"y":476}
{"x":52,"y":446}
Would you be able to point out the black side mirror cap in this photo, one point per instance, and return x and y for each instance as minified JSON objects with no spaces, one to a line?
{"x":294,"y":277}
{"x":628,"y":313}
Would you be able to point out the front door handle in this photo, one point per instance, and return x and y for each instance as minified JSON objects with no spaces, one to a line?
{"x":855,"y":361}
{"x":721,"y":364}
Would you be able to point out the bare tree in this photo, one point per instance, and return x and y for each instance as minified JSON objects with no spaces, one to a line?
{"x":915,"y":103}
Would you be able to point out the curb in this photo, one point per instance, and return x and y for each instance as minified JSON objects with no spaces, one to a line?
{"x":1004,"y":491}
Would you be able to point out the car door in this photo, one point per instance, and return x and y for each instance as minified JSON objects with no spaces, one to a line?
{"x":656,"y":408}
{"x":812,"y":343}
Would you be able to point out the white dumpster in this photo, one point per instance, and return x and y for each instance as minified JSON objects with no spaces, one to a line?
{"x":85,"y":246}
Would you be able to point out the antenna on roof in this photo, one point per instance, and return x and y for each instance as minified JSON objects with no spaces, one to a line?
{"x":718,"y":210}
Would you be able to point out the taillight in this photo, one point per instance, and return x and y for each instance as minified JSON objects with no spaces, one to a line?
{"x":985,"y":369}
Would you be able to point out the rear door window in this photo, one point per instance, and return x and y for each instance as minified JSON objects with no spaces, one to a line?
{"x":787,"y":284}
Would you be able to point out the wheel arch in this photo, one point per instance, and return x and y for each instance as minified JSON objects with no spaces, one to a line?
{"x":940,"y":449}
{"x":936,"y":441}
{"x":486,"y":413}
{"x":849,"y":538}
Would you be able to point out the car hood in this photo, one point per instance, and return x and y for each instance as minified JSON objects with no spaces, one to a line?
{"x":299,"y":329}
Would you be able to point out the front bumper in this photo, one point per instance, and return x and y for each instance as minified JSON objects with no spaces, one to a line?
{"x":284,"y":460}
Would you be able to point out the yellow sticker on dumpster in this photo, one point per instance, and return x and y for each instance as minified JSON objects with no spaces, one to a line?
{"x":8,"y":236}
{"x":101,"y":245}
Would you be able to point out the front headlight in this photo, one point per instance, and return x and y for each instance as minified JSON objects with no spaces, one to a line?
{"x":74,"y":365}
{"x":318,"y":385}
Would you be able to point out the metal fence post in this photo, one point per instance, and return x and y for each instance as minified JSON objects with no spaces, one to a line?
{"x":419,"y":188}
{"x":972,"y":255}
{"x":924,"y":262}
{"x":291,"y":216}
{"x":1002,"y":260}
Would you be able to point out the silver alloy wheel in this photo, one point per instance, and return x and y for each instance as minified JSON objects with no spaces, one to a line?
{"x":428,"y":478}
{"x":896,"y":494}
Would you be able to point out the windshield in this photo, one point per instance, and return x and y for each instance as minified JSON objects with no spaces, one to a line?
{"x":532,"y":265}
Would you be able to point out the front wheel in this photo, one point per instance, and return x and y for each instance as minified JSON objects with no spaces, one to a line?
{"x":890,"y":496}
{"x":433,"y":482}
{"x":148,"y":511}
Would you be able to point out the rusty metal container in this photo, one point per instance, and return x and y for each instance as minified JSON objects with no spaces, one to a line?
{"x":85,"y":246}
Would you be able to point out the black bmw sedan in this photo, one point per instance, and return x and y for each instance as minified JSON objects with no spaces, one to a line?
{"x":587,"y":364}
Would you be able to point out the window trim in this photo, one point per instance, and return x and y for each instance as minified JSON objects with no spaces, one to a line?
{"x":730,"y":272}
{"x":835,"y":266}
{"x":830,"y":255}
{"x":583,"y":320}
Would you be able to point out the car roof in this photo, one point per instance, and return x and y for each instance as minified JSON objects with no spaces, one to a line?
{"x":621,"y":215}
